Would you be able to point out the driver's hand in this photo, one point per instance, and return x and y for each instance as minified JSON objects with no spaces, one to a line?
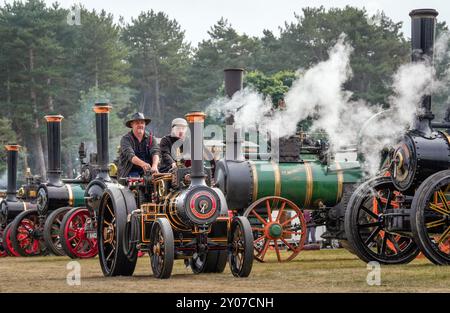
{"x":154,"y":169}
{"x":146,"y":167}
{"x":174,"y":165}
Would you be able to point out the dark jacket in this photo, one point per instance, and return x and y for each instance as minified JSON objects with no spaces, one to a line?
{"x":165,"y":145}
{"x":128,"y":147}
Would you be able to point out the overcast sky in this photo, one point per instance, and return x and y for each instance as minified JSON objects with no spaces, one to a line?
{"x":251,"y":16}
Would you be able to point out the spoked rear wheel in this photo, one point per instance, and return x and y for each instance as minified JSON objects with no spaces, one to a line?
{"x":365,"y":224}
{"x":111,"y":227}
{"x":26,"y":234}
{"x":212,"y":261}
{"x":7,"y":243}
{"x":78,"y":233}
{"x":51,"y":231}
{"x":162,"y":249}
{"x":3,"y":251}
{"x":430,"y":217}
{"x":240,"y":241}
{"x":279,"y":221}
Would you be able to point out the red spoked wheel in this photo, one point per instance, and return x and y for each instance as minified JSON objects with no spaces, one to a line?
{"x":79,"y":234}
{"x":7,"y":243}
{"x":3,"y":252}
{"x":278,"y":221}
{"x":26,"y":234}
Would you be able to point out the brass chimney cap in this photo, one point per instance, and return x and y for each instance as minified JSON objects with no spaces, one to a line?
{"x":12,"y":147}
{"x":54,"y":118}
{"x":195,"y":117}
{"x":102,"y":108}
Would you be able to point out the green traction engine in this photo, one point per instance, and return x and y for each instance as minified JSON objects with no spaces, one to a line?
{"x":274,"y":194}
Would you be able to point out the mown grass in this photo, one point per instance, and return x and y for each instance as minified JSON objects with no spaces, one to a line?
{"x":312,"y":271}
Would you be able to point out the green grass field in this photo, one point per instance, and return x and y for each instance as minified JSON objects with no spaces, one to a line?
{"x":312,"y":271}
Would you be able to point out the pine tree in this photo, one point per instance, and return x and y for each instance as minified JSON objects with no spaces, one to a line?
{"x":159,"y":59}
{"x":225,"y":48}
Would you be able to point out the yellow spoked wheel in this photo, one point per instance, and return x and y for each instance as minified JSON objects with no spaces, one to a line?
{"x":430,"y":217}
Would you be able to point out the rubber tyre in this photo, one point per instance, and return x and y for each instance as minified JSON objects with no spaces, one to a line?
{"x":121,"y":265}
{"x":247,"y":255}
{"x":216,"y":261}
{"x":351,"y":230}
{"x":420,"y":202}
{"x":163,"y":226}
{"x":8,"y":249}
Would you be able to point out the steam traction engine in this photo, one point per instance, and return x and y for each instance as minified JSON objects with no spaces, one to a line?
{"x":36,"y":231}
{"x":172,"y":216}
{"x":389,"y":218}
{"x":15,"y":202}
{"x":274,"y":194}
{"x":78,"y":231}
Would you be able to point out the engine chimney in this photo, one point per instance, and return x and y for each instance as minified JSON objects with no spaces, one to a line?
{"x":233,"y":83}
{"x":12,"y":155}
{"x":233,"y":80}
{"x":423,"y":26}
{"x":54,"y":149}
{"x":196,"y":122}
{"x":102,"y":131}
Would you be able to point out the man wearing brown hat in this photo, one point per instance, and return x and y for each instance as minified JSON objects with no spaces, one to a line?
{"x":139,"y":151}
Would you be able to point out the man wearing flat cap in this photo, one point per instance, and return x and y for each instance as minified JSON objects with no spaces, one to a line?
{"x":139,"y":151}
{"x":171,"y":145}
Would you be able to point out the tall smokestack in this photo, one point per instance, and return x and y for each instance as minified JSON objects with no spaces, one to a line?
{"x":196,"y":122}
{"x":233,"y":83}
{"x":102,"y":131}
{"x":12,"y":156}
{"x":233,"y":80}
{"x":54,"y":149}
{"x":423,"y":26}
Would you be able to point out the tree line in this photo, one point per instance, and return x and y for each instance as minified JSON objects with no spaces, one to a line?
{"x":48,"y":65}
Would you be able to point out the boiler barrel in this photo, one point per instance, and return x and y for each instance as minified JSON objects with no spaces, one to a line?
{"x":305,"y":183}
{"x":52,"y":197}
{"x":10,"y":209}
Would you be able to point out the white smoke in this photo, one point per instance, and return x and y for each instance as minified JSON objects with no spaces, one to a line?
{"x":410,"y":83}
{"x":441,"y":47}
{"x":249,"y":107}
{"x":442,"y":64}
{"x":319,"y":94}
